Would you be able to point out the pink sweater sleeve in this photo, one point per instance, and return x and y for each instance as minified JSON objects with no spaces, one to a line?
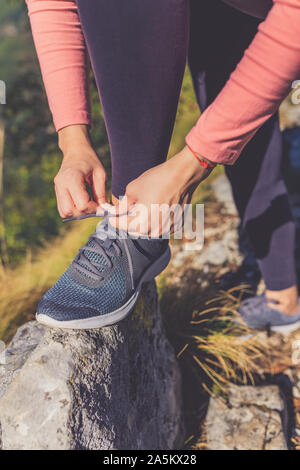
{"x":255,"y":89}
{"x":251,"y":95}
{"x":63,"y":59}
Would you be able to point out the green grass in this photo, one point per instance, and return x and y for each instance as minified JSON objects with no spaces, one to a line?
{"x":187,"y":114}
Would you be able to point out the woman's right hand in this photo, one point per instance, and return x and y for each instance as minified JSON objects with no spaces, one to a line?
{"x":80,"y":166}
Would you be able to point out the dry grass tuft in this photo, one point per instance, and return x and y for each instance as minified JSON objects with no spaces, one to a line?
{"x":224,"y":350}
{"x":213,"y":349}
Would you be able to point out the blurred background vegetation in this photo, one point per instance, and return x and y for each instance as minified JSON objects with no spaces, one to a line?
{"x":32,"y":255}
{"x":31,"y":157}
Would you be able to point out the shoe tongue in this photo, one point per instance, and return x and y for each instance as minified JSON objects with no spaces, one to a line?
{"x":93,"y":257}
{"x":106,"y":234}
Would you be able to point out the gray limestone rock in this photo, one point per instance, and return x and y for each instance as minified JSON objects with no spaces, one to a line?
{"x":113,"y":388}
{"x":253,"y":418}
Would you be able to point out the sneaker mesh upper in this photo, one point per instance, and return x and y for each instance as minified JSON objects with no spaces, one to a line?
{"x":68,"y":295}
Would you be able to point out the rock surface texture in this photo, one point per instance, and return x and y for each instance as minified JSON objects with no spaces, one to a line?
{"x":253,"y":418}
{"x":113,"y":388}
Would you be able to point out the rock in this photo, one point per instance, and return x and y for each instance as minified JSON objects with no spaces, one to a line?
{"x":296,"y":392}
{"x":219,"y":252}
{"x":254,"y":418}
{"x":113,"y":388}
{"x":223,"y":193}
{"x":289,"y":114}
{"x":291,"y":377}
{"x":24,"y":342}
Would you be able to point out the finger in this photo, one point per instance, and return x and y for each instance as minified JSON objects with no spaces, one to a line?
{"x":91,"y":208}
{"x":99,"y":186}
{"x":123,"y":208}
{"x":80,"y":195}
{"x":59,"y":209}
{"x":65,"y":204}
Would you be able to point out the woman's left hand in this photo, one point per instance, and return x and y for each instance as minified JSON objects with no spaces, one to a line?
{"x":171,"y":183}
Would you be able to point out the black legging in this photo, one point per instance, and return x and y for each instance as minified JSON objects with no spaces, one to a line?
{"x":138,"y":50}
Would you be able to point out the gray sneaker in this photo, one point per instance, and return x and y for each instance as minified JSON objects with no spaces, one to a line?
{"x":256,"y":313}
{"x":103,"y":282}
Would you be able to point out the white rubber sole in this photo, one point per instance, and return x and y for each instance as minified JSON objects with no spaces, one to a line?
{"x":111,"y":318}
{"x":284,"y":330}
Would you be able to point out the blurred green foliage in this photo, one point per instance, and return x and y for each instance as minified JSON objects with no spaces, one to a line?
{"x":31,"y":156}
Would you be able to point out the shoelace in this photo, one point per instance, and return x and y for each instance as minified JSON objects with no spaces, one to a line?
{"x":88,"y":216}
{"x":102,"y":246}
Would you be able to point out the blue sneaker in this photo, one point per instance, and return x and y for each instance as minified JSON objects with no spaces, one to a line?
{"x":256,"y":313}
{"x":103,"y":282}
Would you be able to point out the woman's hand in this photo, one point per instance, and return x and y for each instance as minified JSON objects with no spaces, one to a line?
{"x":80,"y":166}
{"x":170,"y":183}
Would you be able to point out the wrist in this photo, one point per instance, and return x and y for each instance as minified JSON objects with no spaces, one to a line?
{"x":73,"y":137}
{"x":202,"y":160}
{"x":191,"y":169}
